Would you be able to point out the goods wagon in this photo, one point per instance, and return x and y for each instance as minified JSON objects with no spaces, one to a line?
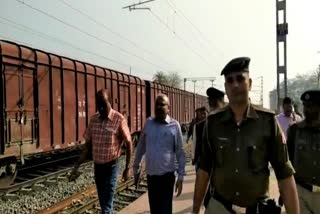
{"x":47,"y":101}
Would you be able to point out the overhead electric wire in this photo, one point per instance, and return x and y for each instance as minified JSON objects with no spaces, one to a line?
{"x":86,"y":33}
{"x":28,"y":29}
{"x":180,"y":38}
{"x":51,"y":38}
{"x":174,"y":7}
{"x":110,"y":30}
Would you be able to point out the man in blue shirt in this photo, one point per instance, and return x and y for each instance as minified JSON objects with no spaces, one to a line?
{"x":161,"y":143}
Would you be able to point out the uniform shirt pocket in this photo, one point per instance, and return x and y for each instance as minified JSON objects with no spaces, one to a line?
{"x":222,"y":148}
{"x":257,"y":158}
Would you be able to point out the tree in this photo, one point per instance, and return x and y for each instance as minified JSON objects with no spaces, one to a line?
{"x":296,"y":86}
{"x":172,"y":79}
{"x":160,"y":77}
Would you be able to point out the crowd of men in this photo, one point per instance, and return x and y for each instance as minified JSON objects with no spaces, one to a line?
{"x":233,"y":145}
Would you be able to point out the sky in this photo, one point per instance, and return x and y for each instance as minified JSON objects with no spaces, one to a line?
{"x":195,"y":38}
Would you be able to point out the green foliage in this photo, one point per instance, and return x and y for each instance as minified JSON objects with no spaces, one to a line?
{"x":296,"y":86}
{"x":172,"y":79}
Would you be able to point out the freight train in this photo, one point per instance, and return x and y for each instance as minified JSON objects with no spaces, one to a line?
{"x":47,"y":101}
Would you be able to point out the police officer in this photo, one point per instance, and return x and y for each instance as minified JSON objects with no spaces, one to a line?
{"x":238,"y":143}
{"x":215,"y":101}
{"x":304,"y":152}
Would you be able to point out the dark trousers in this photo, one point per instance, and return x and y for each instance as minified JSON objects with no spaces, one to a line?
{"x":106,"y":182}
{"x":160,"y":193}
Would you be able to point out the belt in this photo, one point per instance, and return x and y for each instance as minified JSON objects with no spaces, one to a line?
{"x":308,"y":186}
{"x":110,"y":163}
{"x":227,"y":204}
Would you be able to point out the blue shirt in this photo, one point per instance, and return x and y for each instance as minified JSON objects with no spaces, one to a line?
{"x":161,"y":143}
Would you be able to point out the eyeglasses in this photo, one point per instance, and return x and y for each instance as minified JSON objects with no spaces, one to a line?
{"x":238,"y":78}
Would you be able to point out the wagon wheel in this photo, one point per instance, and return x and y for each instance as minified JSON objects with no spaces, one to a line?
{"x":8,"y":171}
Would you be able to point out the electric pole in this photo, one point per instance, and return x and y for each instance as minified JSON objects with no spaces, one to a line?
{"x":194,"y":80}
{"x":261,"y":88}
{"x":318,"y":74}
{"x":282,"y":31}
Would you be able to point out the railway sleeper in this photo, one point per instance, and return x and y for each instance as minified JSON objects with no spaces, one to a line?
{"x":137,"y":190}
{"x":128,"y":195}
{"x":38,"y":187}
{"x":50,"y":182}
{"x":26,"y":190}
{"x":143,"y":185}
{"x":122,"y":202}
{"x":10,"y":196}
{"x":62,"y":178}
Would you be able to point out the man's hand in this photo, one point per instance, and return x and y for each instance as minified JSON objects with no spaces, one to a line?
{"x":187,"y":140}
{"x":125,"y":175}
{"x":179,"y":187}
{"x":136,"y":178}
{"x":74,"y":174}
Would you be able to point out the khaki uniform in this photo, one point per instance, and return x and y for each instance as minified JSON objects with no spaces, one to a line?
{"x":304,"y":152}
{"x":238,"y":155}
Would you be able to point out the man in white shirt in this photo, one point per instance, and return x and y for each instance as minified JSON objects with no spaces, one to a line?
{"x":288,"y":116}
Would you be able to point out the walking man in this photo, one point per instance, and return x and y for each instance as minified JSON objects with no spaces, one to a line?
{"x":304,"y":152}
{"x":161,"y":143}
{"x":196,"y":129}
{"x":192,"y":123}
{"x":215,"y":101}
{"x":288,"y":116}
{"x":104,"y":136}
{"x":239,"y":141}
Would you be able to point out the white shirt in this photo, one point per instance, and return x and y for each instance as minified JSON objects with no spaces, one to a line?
{"x":285,"y":122}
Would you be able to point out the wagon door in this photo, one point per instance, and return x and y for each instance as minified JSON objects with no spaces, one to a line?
{"x":20,"y":93}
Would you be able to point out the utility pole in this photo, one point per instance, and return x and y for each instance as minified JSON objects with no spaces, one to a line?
{"x":282,"y":31}
{"x":133,"y":6}
{"x":261,"y":95}
{"x":194,"y":80}
{"x":318,"y":76}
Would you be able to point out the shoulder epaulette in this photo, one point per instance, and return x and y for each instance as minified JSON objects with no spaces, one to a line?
{"x":259,"y":108}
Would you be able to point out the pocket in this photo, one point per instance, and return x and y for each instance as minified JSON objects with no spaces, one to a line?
{"x":221,"y":151}
{"x":257,"y":161}
{"x":166,"y":141}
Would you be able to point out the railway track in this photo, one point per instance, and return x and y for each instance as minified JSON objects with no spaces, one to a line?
{"x":88,"y":202}
{"x":37,"y":178}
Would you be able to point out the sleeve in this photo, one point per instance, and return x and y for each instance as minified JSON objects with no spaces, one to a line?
{"x":291,"y":142}
{"x":180,"y":154}
{"x":279,"y":153}
{"x":87,"y":133}
{"x":190,"y":129}
{"x":124,"y":130}
{"x":206,"y":156}
{"x":194,"y":140}
{"x":140,"y":150}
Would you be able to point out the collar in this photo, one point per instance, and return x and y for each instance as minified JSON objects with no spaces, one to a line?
{"x":167,"y":120}
{"x":250,"y":113}
{"x":283,"y":115}
{"x":110,"y":115}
